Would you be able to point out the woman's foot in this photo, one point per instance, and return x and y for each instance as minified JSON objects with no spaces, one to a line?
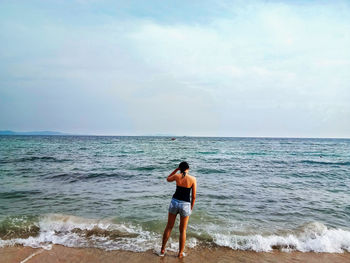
{"x":162,"y":252}
{"x":181,"y":255}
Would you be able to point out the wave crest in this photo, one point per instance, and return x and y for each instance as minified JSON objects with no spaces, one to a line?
{"x":313,"y":237}
{"x":73,"y":231}
{"x":311,"y":162}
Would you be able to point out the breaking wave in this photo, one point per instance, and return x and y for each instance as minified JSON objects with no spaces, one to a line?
{"x":73,"y":231}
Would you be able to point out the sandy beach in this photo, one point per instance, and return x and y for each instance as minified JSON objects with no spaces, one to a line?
{"x":65,"y":254}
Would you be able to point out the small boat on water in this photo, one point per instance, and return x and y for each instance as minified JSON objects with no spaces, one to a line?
{"x":173,"y":139}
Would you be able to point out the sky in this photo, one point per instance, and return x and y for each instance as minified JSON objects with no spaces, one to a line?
{"x":186,"y":68}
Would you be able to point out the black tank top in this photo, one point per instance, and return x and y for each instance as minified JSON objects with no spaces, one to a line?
{"x":182,"y":193}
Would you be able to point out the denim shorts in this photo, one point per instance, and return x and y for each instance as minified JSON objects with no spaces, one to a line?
{"x":178,"y":206}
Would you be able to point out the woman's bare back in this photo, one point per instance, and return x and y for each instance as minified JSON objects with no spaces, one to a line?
{"x":185,"y":181}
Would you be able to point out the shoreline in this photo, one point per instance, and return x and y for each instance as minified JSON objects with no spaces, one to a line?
{"x":60,"y":253}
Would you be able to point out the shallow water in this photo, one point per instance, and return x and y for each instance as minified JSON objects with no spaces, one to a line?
{"x":111,"y":192}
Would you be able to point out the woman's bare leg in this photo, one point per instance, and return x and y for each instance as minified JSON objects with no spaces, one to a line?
{"x":167,"y":230}
{"x":182,"y":240}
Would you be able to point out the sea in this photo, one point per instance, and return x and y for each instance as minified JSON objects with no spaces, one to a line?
{"x":110,"y":192}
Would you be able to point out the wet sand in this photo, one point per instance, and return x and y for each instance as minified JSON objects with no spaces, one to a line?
{"x":65,"y":254}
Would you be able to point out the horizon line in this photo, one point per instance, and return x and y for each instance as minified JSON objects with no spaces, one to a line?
{"x":157,"y":135}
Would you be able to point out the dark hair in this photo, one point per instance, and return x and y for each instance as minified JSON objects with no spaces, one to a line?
{"x":183,"y":166}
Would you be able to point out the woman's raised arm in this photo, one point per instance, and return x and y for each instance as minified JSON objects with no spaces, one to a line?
{"x":171,"y":177}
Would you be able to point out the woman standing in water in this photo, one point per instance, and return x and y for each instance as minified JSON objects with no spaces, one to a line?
{"x":180,"y":203}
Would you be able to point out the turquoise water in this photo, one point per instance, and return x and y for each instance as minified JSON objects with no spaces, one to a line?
{"x":111,"y":192}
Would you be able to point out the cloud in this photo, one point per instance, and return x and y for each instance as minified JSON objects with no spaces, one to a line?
{"x":259,"y":69}
{"x":281,"y":57}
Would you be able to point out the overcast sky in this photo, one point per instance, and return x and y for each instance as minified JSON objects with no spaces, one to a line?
{"x":195,"y":68}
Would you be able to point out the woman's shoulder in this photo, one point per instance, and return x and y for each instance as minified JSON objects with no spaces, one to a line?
{"x":192,"y":178}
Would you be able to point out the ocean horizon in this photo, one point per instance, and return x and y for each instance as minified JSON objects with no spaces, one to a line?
{"x":59,"y":133}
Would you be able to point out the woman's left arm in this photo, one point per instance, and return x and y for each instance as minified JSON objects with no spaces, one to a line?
{"x":194,"y":192}
{"x":172,"y":177}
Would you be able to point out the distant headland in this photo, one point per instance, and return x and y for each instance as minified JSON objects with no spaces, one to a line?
{"x":8,"y":132}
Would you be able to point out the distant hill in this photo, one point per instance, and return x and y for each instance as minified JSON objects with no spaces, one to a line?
{"x":8,"y":132}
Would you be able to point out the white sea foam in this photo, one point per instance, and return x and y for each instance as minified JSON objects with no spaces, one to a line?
{"x":62,"y":229}
{"x":72,"y":231}
{"x":314,"y":237}
{"x":69,"y":230}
